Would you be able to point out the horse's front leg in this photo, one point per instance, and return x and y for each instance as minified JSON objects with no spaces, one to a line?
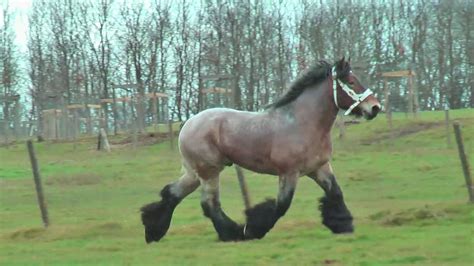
{"x":263,"y":216}
{"x":334,"y":212}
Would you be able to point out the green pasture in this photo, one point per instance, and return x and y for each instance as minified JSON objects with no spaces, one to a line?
{"x":404,"y":186}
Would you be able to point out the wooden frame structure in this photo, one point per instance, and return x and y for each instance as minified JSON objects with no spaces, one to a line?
{"x":154,"y":96}
{"x":5,"y":100}
{"x":66,"y":123}
{"x":412,"y":95}
{"x":216,"y":92}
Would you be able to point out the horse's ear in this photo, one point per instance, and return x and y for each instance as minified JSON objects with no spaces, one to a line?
{"x":340,"y":63}
{"x":349,"y":60}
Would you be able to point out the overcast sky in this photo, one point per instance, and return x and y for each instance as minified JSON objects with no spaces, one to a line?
{"x":19,"y":9}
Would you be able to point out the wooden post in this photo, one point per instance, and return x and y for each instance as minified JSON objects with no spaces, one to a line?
{"x":75,"y":128}
{"x":38,"y":186}
{"x":56,"y":124}
{"x":114,"y":111}
{"x":411,"y":109}
{"x":155,"y":112}
{"x":134,"y":134}
{"x":388,"y":111}
{"x":464,"y":161}
{"x":238,"y":169}
{"x":88,"y":120}
{"x":16,"y":119}
{"x":105,"y":140}
{"x":125,"y":125}
{"x":448,"y":130}
{"x":160,"y":103}
{"x":243,"y":186}
{"x":99,"y":141}
{"x":5,"y":131}
{"x":342,"y":126}
{"x":76,"y":125}
{"x":170,"y":132}
{"x":416,"y":104}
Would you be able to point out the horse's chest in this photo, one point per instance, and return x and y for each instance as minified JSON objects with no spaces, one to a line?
{"x":315,"y":162}
{"x":316,"y":156}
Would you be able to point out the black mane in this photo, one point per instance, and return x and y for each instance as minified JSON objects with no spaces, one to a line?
{"x":314,"y":75}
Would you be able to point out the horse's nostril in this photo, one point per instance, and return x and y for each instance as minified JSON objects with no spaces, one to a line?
{"x":375,"y":109}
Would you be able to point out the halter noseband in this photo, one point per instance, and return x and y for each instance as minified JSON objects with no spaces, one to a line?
{"x":357,"y":97}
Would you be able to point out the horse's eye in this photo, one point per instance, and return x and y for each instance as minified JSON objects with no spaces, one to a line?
{"x":351,"y":82}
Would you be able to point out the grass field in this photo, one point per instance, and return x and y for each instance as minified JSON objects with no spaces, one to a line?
{"x":405,"y":189}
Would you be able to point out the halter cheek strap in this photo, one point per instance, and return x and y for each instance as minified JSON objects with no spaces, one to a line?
{"x":357,"y":97}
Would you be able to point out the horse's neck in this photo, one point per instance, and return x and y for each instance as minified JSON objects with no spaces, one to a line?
{"x":316,"y":109}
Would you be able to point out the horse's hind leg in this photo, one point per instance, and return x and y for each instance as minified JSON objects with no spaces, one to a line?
{"x":262,"y":217}
{"x":334,"y":211}
{"x":156,"y":216}
{"x":226,"y":229}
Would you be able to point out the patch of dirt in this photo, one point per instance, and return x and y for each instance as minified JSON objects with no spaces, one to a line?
{"x":3,"y":144}
{"x":110,"y":226}
{"x":351,"y":122}
{"x":426,"y":214}
{"x":330,"y":262}
{"x":61,"y":232}
{"x":29,"y":233}
{"x":288,"y":225}
{"x":192,"y":229}
{"x":401,"y":132}
{"x":143,"y":139}
{"x":74,"y":180}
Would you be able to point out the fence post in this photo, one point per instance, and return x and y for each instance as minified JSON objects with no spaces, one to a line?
{"x":387,"y":103}
{"x":464,"y":161}
{"x":410,"y":97}
{"x":170,"y":132}
{"x":99,"y":141}
{"x":155,"y":112}
{"x":342,"y":126}
{"x":38,"y":186}
{"x":105,"y":140}
{"x":243,"y":186}
{"x":134,"y":132}
{"x":448,"y":130}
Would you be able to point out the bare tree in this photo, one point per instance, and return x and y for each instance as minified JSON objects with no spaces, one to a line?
{"x":169,"y":47}
{"x":96,"y":22}
{"x":9,"y":70}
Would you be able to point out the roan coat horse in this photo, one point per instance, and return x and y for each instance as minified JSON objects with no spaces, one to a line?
{"x":291,"y":138}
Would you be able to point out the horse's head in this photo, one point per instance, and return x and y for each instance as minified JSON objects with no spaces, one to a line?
{"x":350,"y":95}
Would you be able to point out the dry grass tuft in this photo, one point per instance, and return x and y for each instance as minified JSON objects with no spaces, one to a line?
{"x":84,"y":179}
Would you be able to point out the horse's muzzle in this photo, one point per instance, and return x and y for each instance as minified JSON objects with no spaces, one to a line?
{"x":372,"y":112}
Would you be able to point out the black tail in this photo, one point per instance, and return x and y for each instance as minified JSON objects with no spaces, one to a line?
{"x":156,"y":216}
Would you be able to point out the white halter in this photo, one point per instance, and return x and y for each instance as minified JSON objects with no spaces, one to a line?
{"x":357,"y":97}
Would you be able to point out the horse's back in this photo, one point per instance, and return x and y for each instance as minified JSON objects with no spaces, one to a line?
{"x":218,"y":137}
{"x":199,"y":137}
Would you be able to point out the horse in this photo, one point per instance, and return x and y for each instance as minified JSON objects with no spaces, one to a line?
{"x":290,"y":139}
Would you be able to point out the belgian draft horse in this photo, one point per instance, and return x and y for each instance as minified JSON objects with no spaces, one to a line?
{"x":290,"y":139}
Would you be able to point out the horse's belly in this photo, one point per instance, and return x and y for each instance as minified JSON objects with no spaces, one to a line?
{"x":258,"y":166}
{"x":251,"y":156}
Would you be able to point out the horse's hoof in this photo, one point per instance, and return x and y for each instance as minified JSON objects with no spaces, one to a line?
{"x":260,"y":219}
{"x":156,"y":217}
{"x":341,"y":228}
{"x":152,"y":234}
